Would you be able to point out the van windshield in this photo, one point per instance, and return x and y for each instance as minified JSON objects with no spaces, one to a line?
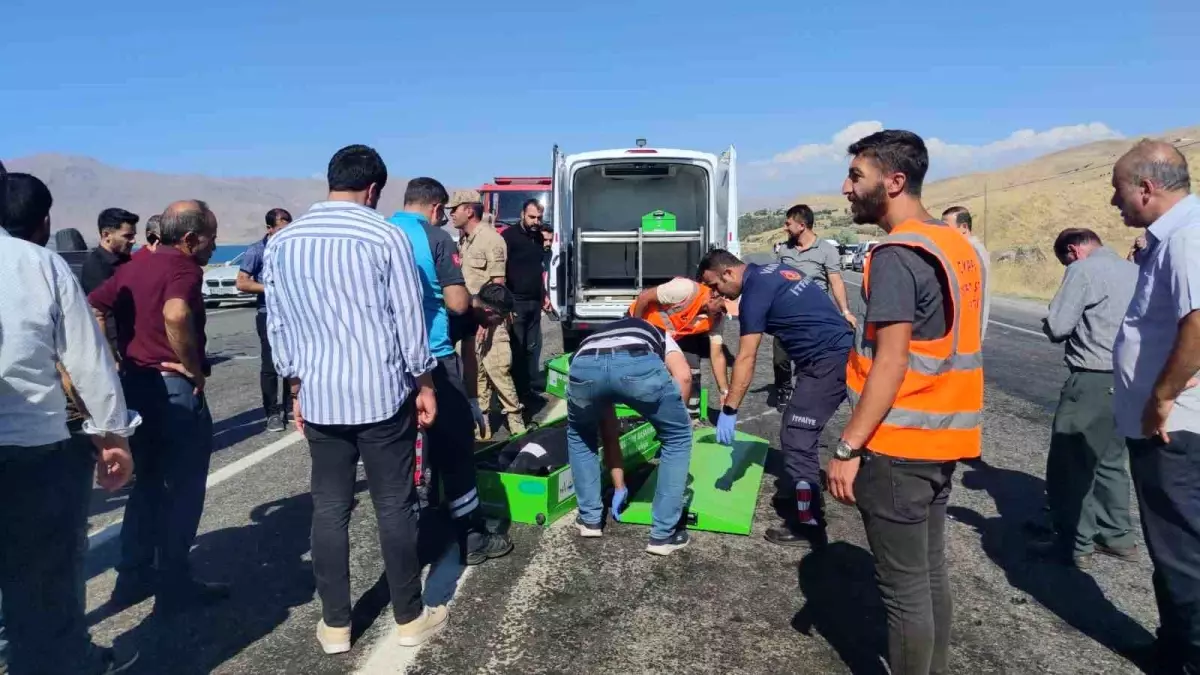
{"x":508,"y":204}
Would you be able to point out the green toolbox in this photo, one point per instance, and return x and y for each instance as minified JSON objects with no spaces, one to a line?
{"x":540,"y":500}
{"x":658,"y":221}
{"x":722,"y":488}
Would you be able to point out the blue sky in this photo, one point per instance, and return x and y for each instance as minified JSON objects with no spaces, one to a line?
{"x":466,"y":90}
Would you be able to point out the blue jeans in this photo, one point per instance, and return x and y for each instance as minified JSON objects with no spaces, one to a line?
{"x":639,"y":380}
{"x":171,"y":451}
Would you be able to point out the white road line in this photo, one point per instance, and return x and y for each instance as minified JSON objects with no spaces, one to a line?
{"x":215,"y":478}
{"x":998,"y":323}
{"x":1012,"y":327}
{"x":387,"y":655}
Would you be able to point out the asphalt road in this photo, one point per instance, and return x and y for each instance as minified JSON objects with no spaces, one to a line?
{"x":561,"y":604}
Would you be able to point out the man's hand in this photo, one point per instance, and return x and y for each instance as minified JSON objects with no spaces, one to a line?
{"x":197,"y":379}
{"x":841,"y":474}
{"x":546,"y":306}
{"x":297,"y":417}
{"x":726,"y":424}
{"x":724,"y":397}
{"x":115,"y":465}
{"x":477,"y":415}
{"x":426,"y":407}
{"x":850,"y":318}
{"x":1156,"y":412}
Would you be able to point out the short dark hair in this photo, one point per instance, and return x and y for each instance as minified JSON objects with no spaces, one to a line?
{"x":425,"y":191}
{"x":961,"y":216}
{"x":175,"y":225}
{"x":26,"y":204}
{"x":113,"y":219}
{"x":717,"y":260}
{"x":801,"y":213}
{"x":354,"y":168}
{"x":531,"y":202}
{"x":1074,"y":236}
{"x":497,"y":297}
{"x":276,"y":215}
{"x":899,"y":151}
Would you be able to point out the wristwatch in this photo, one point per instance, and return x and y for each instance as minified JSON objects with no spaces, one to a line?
{"x":846,"y":451}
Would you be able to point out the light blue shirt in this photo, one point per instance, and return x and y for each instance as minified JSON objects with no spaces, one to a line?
{"x":1168,"y":289}
{"x":437,"y":320}
{"x":344,"y":313}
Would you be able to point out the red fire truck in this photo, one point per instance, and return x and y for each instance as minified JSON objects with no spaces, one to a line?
{"x":505,"y":195}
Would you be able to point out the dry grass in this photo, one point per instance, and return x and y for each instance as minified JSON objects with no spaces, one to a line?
{"x":1029,"y":204}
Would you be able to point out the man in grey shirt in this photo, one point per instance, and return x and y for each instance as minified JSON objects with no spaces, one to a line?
{"x":959,"y":217}
{"x":1156,"y":357}
{"x":1087,"y":479}
{"x":819,"y":261}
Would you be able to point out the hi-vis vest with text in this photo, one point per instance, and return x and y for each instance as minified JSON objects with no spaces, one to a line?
{"x":682,"y":319}
{"x":939,"y":408}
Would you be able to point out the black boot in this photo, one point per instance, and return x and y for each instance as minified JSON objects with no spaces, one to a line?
{"x":790,"y":533}
{"x":477,"y":544}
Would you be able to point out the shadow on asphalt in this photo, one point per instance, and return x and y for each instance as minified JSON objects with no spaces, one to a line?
{"x":233,"y":430}
{"x":1068,"y":592}
{"x":265,"y":562}
{"x":843,"y":605}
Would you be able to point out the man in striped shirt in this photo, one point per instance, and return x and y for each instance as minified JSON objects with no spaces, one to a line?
{"x":345,"y":324}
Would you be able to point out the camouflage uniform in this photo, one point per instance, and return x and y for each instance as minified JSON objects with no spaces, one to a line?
{"x":484,"y":255}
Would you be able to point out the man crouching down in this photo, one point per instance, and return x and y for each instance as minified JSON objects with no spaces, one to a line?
{"x":632,"y":362}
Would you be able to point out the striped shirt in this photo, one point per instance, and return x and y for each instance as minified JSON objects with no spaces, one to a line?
{"x":630,"y":332}
{"x":344,"y":313}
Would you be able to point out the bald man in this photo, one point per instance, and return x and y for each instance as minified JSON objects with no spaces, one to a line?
{"x":1155,"y":361}
{"x":159,"y":313}
{"x":959,"y":218}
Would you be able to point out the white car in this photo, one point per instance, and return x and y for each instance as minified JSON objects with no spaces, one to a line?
{"x":220,"y":284}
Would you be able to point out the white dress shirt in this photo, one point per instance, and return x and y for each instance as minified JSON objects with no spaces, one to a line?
{"x":45,"y":319}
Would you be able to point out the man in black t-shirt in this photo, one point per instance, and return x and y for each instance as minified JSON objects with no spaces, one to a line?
{"x":526,"y":255}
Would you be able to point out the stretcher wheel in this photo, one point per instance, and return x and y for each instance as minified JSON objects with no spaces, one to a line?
{"x":541,"y":519}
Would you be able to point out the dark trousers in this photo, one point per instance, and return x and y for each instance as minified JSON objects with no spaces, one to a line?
{"x":694,"y":348}
{"x":820,"y":387}
{"x":903,"y":506}
{"x":43,"y":537}
{"x":450,"y":442}
{"x":781,"y":365}
{"x":171,"y":450}
{"x":388,"y":451}
{"x":269,"y":379}
{"x":1087,"y":476}
{"x":526,"y":346}
{"x":1166,"y":477}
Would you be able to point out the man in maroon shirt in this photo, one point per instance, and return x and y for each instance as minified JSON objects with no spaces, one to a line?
{"x":159,"y":312}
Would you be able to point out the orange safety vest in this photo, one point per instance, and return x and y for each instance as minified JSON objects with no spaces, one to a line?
{"x":938,"y":411}
{"x":685,"y":318}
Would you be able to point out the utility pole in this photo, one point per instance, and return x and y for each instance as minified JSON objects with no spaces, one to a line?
{"x":985,"y":215}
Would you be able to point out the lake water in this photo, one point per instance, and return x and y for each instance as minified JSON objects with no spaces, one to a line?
{"x":225,"y":253}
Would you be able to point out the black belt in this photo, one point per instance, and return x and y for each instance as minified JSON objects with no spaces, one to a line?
{"x":631,"y":350}
{"x":1077,"y":369}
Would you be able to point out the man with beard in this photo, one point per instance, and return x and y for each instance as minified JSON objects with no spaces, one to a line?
{"x":1155,"y":360}
{"x":819,"y":261}
{"x":526,"y":253}
{"x":915,"y":378}
{"x":443,"y":294}
{"x":781,"y":301}
{"x":118,"y":230}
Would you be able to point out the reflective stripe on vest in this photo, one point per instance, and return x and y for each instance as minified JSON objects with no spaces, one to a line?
{"x":938,"y":411}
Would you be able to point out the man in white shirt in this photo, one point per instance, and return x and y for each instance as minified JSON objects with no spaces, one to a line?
{"x":45,"y":482}
{"x":1155,"y":360}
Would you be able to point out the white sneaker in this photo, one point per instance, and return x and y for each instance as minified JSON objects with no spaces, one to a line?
{"x":333,"y":640}
{"x":420,"y":629}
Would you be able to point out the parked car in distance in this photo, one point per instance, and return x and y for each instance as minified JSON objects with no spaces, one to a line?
{"x":846,"y":255}
{"x":860,"y":256}
{"x":220,"y":284}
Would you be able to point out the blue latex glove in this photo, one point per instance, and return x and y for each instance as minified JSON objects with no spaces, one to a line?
{"x":725,"y":425}
{"x":620,"y":496}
